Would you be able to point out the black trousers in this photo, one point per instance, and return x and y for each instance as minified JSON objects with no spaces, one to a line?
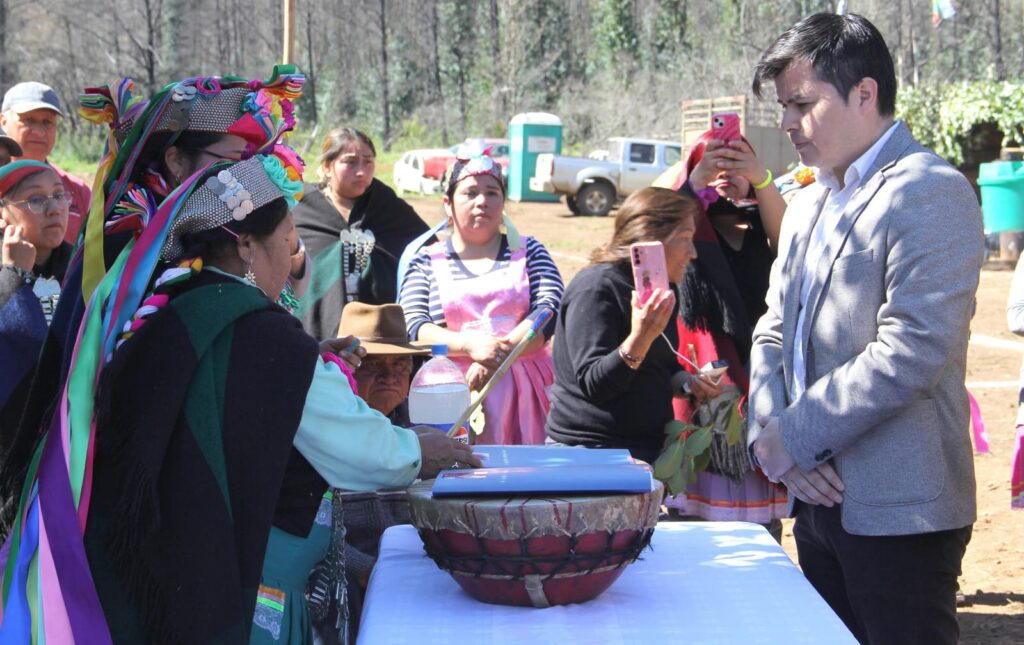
{"x":888,"y":589}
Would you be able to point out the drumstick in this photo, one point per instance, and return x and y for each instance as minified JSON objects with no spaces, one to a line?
{"x":531,"y":333}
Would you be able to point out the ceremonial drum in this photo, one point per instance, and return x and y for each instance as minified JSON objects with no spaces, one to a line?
{"x":534,"y":551}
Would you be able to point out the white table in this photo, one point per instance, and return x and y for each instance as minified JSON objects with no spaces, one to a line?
{"x":703,"y":582}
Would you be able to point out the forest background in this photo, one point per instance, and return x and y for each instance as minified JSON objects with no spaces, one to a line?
{"x":426,"y":73}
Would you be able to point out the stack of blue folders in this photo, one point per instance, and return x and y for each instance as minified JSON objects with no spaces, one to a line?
{"x":532,"y":470}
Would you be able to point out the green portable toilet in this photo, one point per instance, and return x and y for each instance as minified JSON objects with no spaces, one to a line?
{"x":530,"y":134}
{"x":1002,"y":195}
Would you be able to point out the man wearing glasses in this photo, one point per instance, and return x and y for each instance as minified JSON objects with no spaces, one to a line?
{"x":31,"y":113}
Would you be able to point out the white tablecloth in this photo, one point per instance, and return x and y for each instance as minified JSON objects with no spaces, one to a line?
{"x":703,"y":582}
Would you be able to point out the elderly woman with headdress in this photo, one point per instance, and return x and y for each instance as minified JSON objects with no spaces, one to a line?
{"x":152,"y":147}
{"x":218,"y":428}
{"x":354,"y":228}
{"x":722,"y":297}
{"x":478,"y":292}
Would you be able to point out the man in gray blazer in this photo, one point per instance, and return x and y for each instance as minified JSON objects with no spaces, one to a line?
{"x":857,"y":397}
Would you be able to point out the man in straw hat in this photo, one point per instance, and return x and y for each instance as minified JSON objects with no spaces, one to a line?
{"x":383,"y":377}
{"x":382,"y":380}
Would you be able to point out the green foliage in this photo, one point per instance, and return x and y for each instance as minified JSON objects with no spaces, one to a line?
{"x":549,"y":49}
{"x":684,"y":454}
{"x":616,"y":30}
{"x":414,"y":133}
{"x":944,"y":117}
{"x":668,"y":34}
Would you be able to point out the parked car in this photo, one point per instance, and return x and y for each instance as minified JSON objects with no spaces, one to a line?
{"x":594,"y":186}
{"x":420,"y":171}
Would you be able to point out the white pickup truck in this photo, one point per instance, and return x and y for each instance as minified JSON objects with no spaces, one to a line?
{"x":593,"y":186}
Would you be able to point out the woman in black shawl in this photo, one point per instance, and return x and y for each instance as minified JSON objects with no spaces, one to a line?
{"x":722,"y":296}
{"x":354,"y":229}
{"x":220,"y":427}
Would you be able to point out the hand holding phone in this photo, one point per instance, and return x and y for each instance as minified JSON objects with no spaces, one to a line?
{"x":649,"y":272}
{"x":726,"y":126}
{"x":715,"y":369}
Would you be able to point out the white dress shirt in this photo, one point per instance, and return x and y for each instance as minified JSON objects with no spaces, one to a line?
{"x":823,"y":229}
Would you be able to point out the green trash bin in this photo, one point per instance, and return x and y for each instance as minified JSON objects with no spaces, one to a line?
{"x":1002,"y":195}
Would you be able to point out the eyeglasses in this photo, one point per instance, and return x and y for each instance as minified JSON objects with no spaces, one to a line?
{"x":219,"y":155}
{"x":376,"y":366}
{"x":39,"y":204}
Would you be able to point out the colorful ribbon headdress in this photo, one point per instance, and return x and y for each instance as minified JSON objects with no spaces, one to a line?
{"x":232,"y":194}
{"x":48,"y":592}
{"x":258,"y":111}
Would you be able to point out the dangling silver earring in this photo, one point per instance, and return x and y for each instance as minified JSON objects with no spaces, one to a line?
{"x":249,"y":276}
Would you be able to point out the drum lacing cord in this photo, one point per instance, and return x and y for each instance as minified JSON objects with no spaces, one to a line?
{"x":519,"y":566}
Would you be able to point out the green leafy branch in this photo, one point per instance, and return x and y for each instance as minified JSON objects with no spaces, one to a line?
{"x":684,"y":454}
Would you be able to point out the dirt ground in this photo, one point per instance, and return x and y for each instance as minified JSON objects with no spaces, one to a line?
{"x":993,"y":568}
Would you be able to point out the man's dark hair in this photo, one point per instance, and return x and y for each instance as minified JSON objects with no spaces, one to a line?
{"x":842,"y":50}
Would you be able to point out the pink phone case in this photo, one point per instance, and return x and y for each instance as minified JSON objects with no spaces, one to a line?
{"x":649,"y":273}
{"x":726,"y":126}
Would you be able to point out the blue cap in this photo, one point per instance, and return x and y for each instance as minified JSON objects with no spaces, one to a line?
{"x":438,"y":350}
{"x":31,"y":95}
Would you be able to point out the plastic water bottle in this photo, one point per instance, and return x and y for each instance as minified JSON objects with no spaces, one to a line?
{"x":439,"y":393}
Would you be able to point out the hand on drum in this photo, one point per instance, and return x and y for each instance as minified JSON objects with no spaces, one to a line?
{"x":438,"y":453}
{"x":346,"y":348}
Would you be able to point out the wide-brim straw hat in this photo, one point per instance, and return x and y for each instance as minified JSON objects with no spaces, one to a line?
{"x":379,"y":328}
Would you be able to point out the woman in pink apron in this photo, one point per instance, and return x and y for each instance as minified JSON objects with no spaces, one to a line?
{"x":478,"y":292}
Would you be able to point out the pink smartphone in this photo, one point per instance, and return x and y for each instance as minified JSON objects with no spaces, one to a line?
{"x":726,"y":126}
{"x":649,"y":273}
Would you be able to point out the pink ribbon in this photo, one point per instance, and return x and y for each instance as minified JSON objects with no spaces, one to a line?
{"x":978,"y":427}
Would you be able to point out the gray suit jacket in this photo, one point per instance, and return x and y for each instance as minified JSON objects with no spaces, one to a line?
{"x":885,"y":343}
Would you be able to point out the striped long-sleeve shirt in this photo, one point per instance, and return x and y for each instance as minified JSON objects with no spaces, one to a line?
{"x":421,"y":301}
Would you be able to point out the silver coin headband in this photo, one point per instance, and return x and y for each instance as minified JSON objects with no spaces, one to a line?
{"x":232,"y":193}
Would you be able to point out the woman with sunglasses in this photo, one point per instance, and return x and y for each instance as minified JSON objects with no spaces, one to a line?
{"x":33,"y":219}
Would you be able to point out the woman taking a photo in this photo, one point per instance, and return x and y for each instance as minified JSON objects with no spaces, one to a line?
{"x":615,"y":367}
{"x":723,"y":295}
{"x":478,"y":292}
{"x":354,"y":228}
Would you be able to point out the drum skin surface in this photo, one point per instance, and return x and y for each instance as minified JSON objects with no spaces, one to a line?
{"x":534,"y":551}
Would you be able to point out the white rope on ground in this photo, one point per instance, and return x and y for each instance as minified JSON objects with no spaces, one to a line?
{"x":574,"y":258}
{"x":992,"y":385}
{"x":996,"y":343}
